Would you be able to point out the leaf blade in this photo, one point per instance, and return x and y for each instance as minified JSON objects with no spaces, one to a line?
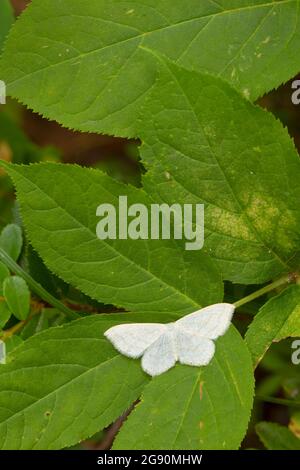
{"x":195,"y":406}
{"x":141,"y":275}
{"x":73,"y":383}
{"x":257,"y":42}
{"x":276,"y":437}
{"x":11,"y":241}
{"x":276,"y":320}
{"x":17,"y":296}
{"x":6,"y":20}
{"x":225,"y":158}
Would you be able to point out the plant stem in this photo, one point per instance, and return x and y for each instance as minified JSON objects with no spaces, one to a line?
{"x":278,"y":401}
{"x":14,"y":329}
{"x":280,"y":282}
{"x":35,"y":286}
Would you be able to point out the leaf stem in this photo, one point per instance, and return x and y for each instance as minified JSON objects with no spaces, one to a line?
{"x":264,"y":290}
{"x":14,"y":329}
{"x":35,"y":286}
{"x":278,"y":401}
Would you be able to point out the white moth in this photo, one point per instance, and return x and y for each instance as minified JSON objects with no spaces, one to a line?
{"x":189,"y":340}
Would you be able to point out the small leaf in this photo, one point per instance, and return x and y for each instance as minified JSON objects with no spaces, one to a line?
{"x":11,"y":241}
{"x":278,"y":319}
{"x":5,"y":313}
{"x":196,"y":407}
{"x":276,"y":437}
{"x":17,"y":296}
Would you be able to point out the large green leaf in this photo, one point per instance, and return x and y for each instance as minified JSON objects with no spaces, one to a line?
{"x":65,"y":384}
{"x":141,"y":275}
{"x":195,"y":408}
{"x":278,"y":319}
{"x":204,"y":143}
{"x":276,"y":437}
{"x":6,"y":19}
{"x":80,"y":63}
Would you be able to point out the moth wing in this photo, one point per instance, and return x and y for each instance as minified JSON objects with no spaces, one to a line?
{"x":133,"y":339}
{"x":160,"y":356}
{"x":209,"y":322}
{"x":194,"y":350}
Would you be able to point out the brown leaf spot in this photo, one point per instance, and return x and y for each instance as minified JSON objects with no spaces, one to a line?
{"x":201,"y":390}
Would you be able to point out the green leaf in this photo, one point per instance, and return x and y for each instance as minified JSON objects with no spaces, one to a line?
{"x":276,"y":437}
{"x":207,"y":144}
{"x":11,"y":241}
{"x":5,"y":313}
{"x":141,"y":275}
{"x":4,"y":273}
{"x":6,"y":20}
{"x":50,"y":62}
{"x":64,"y":384}
{"x":19,"y":147}
{"x":197,"y":408}
{"x":50,"y":414}
{"x":12,"y":343}
{"x":17,"y":296}
{"x":49,"y":317}
{"x":278,"y":319}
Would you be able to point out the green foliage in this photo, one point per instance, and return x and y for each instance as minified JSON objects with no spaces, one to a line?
{"x":197,"y":408}
{"x":246,"y":164}
{"x":65,"y":408}
{"x":6,"y":20}
{"x":48,"y":318}
{"x":277,"y":319}
{"x":17,"y":296}
{"x":79,"y":385}
{"x":11,"y":241}
{"x":181,"y":77}
{"x":12,"y":343}
{"x":128,"y":273}
{"x":277,"y":437}
{"x":57,"y":60}
{"x":5,"y":313}
{"x":4,"y":273}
